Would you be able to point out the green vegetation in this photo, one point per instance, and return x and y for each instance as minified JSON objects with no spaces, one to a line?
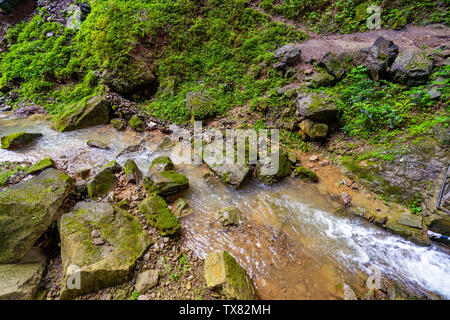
{"x":9,"y":170}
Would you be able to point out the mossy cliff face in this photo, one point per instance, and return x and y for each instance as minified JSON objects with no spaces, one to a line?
{"x":159,"y":216}
{"x":163,"y":182}
{"x":18,"y":140}
{"x":27,"y":210}
{"x":107,"y":262}
{"x":223,"y":273}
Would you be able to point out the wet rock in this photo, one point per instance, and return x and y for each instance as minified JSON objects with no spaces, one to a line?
{"x":100,"y":184}
{"x":162,"y":163}
{"x":131,"y":170}
{"x":114,"y":167}
{"x":96,"y":111}
{"x":137,"y":124}
{"x":287,"y":56}
{"x":40,"y":166}
{"x":98,"y":266}
{"x":306,"y":174}
{"x":233,"y":175}
{"x":317,"y":107}
{"x":83,"y":173}
{"x":97,"y":144}
{"x":146,"y":280}
{"x":333,"y":64}
{"x":199,"y":105}
{"x":18,"y":140}
{"x":411,"y":220}
{"x":349,"y":294}
{"x":118,"y":124}
{"x":181,"y":208}
{"x":28,"y":209}
{"x":345,"y":198}
{"x":223,"y":273}
{"x":164,"y":182}
{"x":22,"y":280}
{"x":439,"y":222}
{"x":314,"y":130}
{"x":380,"y":56}
{"x":228,"y":216}
{"x":130,"y":149}
{"x":27,"y":111}
{"x":158,"y":215}
{"x":270,"y":173}
{"x":412,"y":67}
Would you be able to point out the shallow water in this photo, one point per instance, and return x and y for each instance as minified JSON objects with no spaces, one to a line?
{"x":291,"y":242}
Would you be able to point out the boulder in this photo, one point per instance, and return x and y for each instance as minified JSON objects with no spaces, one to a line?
{"x":223,"y":273}
{"x":158,"y":215}
{"x":28,"y":209}
{"x":233,"y":175}
{"x":317,"y":107}
{"x":22,"y":280}
{"x":98,"y":264}
{"x":40,"y":166}
{"x":97,"y":144}
{"x":113,"y":166}
{"x":132,"y":172}
{"x":118,"y":124}
{"x":199,"y":105}
{"x":100,"y":184}
{"x":228,"y":216}
{"x":333,"y":64}
{"x":306,"y":174}
{"x":269,"y":174}
{"x":380,"y":56}
{"x":96,"y":111}
{"x":412,"y":67}
{"x":146,"y":280}
{"x":314,"y":130}
{"x":321,"y":79}
{"x":287,"y":56}
{"x":164,"y":182}
{"x":18,"y":140}
{"x":162,"y":163}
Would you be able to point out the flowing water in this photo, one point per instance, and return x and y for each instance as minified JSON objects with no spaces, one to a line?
{"x":291,"y":242}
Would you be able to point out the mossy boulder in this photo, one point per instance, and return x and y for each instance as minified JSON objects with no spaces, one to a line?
{"x":158,"y":215}
{"x":40,"y":166}
{"x":162,"y":180}
{"x":317,"y":106}
{"x":224,"y":274}
{"x":94,"y":112}
{"x":98,"y":264}
{"x":412,"y":67}
{"x":100,"y":184}
{"x":18,"y":140}
{"x":321,"y":79}
{"x":118,"y":124}
{"x":113,"y":166}
{"x":233,"y":175}
{"x":137,"y":124}
{"x":28,"y":209}
{"x":306,"y":174}
{"x":132,"y":172}
{"x":314,"y":130}
{"x":333,"y":64}
{"x":287,"y":56}
{"x":200,"y":105}
{"x":270,"y":173}
{"x":380,"y":57}
{"x":22,"y":280}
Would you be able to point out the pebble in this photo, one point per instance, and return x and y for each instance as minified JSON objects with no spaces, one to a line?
{"x":98,"y":241}
{"x":314,"y":158}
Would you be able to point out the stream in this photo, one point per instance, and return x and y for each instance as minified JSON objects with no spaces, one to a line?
{"x":291,"y":243}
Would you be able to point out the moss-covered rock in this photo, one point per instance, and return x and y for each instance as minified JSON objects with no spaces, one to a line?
{"x":223,"y":273}
{"x":40,"y":166}
{"x":412,"y":67}
{"x":113,"y":166}
{"x":200,"y":105}
{"x":22,"y":281}
{"x":137,"y":124}
{"x":321,"y":79}
{"x":306,"y":174}
{"x":314,"y":130}
{"x":162,"y":163}
{"x":233,"y":175}
{"x":95,"y":111}
{"x":317,"y":106}
{"x":103,"y":182}
{"x":18,"y":140}
{"x":332,"y":64}
{"x":134,"y":175}
{"x":118,"y":124}
{"x":379,"y":57}
{"x":165,"y":183}
{"x":270,"y":173}
{"x":159,"y":215}
{"x":98,"y":265}
{"x":27,"y":210}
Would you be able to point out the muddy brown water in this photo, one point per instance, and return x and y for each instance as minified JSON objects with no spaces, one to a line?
{"x":291,"y":242}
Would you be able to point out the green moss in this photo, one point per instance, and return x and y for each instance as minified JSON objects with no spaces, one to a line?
{"x":18,"y":140}
{"x":306,"y":174}
{"x":41,"y":165}
{"x":162,"y":163}
{"x":118,"y":124}
{"x":136,"y":123}
{"x":159,"y":216}
{"x":175,"y":177}
{"x":10,"y":169}
{"x":101,"y":184}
